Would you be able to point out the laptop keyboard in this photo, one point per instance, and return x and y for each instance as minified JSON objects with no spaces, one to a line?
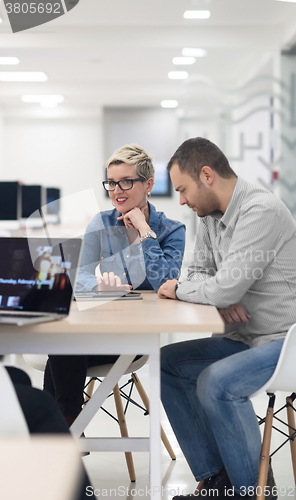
{"x":3,"y":315}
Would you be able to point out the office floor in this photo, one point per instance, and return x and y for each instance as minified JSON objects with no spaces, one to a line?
{"x":108,"y":471}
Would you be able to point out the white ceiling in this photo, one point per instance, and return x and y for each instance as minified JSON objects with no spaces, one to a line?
{"x":119,"y":52}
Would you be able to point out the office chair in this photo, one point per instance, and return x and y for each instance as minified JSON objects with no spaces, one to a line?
{"x":283,"y":379}
{"x":38,"y":361}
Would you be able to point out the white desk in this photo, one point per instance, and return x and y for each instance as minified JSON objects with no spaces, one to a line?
{"x":117,"y":327}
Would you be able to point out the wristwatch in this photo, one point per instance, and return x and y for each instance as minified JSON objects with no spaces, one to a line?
{"x":176,"y":288}
{"x":150,"y":234}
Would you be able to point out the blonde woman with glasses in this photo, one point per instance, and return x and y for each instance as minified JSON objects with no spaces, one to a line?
{"x":134,"y":245}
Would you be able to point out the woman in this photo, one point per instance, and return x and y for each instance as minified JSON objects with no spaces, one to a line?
{"x":135,"y":247}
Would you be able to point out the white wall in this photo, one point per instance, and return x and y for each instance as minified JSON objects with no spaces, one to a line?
{"x":250,"y":140}
{"x":64,"y":153}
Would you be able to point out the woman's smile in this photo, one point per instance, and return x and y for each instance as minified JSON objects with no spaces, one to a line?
{"x":120,"y":200}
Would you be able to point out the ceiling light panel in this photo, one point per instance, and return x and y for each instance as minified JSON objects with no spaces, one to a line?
{"x":23,"y":76}
{"x":184,"y":60}
{"x":9,"y":60}
{"x":196,"y":14}
{"x":169,"y":103}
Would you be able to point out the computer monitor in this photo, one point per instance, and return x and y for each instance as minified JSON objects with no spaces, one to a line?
{"x":53,"y":196}
{"x":10,"y":201}
{"x":162,"y":183}
{"x":33,"y":199}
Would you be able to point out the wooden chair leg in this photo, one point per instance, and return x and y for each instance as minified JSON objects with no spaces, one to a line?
{"x":90,"y":390}
{"x":145,"y":399}
{"x":199,"y":487}
{"x":291,"y":423}
{"x":124,"y":432}
{"x":265,"y":449}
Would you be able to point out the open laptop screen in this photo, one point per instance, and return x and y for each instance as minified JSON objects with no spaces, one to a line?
{"x":36,"y":275}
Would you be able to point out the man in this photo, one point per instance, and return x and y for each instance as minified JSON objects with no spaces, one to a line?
{"x":244,"y":264}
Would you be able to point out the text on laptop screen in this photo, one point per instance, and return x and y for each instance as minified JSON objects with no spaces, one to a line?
{"x":37,"y":276}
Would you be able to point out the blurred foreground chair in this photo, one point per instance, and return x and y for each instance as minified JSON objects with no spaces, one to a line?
{"x":283,"y":379}
{"x":96,"y":373}
{"x":30,"y":465}
{"x":12,"y":420}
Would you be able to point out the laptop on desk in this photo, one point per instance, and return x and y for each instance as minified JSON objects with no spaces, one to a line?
{"x":37,"y":278}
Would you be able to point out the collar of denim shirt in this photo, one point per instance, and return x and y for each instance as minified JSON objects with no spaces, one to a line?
{"x":153,"y":218}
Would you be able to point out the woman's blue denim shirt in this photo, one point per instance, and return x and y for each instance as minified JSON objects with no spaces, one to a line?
{"x":145,"y":266}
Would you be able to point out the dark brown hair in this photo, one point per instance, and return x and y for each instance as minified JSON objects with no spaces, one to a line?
{"x":196,"y":153}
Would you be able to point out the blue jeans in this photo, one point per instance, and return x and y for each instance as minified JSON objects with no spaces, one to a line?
{"x":206,"y":384}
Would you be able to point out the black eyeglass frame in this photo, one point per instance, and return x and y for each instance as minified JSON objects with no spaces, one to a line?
{"x":138,"y":179}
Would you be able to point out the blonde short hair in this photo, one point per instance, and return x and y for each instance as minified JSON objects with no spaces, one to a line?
{"x":133,"y":155}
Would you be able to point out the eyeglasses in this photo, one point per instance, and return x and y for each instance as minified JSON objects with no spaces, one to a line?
{"x":124,"y":184}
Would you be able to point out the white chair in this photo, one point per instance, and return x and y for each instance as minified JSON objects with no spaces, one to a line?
{"x":38,"y":361}
{"x":283,"y":379}
{"x":12,"y":420}
{"x":40,"y":463}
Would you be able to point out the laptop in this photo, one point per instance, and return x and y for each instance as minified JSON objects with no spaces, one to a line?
{"x":37,"y":278}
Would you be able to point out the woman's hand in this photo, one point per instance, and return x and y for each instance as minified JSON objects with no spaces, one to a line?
{"x":111,"y":282}
{"x":234,"y":314}
{"x":136,"y":218}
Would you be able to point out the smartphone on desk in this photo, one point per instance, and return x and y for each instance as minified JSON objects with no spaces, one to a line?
{"x":105,"y":295}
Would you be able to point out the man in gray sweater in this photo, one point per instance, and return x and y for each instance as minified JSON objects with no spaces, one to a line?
{"x":244,"y":264}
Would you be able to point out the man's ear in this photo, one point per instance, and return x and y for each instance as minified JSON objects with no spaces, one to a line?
{"x":207,"y":175}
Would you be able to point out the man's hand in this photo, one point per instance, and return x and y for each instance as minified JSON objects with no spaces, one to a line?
{"x":136,"y":218}
{"x":234,"y":314}
{"x":111,"y":282}
{"x":167,"y":290}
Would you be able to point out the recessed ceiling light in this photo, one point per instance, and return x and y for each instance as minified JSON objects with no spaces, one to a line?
{"x":196,"y":14}
{"x":187,"y":51}
{"x":184,"y":60}
{"x":169,"y":103}
{"x":23,"y":76}
{"x":178,"y":75}
{"x":43,"y":98}
{"x":292,"y":1}
{"x":9,"y":60}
